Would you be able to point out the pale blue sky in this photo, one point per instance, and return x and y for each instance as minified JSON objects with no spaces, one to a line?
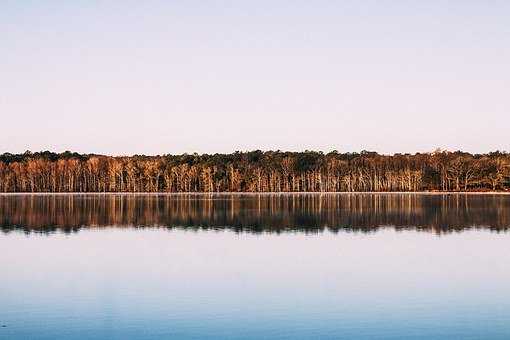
{"x":122,"y":77}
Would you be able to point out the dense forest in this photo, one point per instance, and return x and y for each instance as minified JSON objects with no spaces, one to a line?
{"x":255,"y":171}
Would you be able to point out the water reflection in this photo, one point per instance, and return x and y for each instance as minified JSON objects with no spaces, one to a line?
{"x":437,"y":213}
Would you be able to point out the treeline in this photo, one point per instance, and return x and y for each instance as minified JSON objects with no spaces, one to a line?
{"x":256,"y":171}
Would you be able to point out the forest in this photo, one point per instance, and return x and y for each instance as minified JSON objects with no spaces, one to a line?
{"x":255,"y":171}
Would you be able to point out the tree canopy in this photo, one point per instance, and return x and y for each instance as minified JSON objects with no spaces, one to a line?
{"x":254,"y":171}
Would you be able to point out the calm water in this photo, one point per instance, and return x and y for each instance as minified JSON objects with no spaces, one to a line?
{"x":303,"y":266}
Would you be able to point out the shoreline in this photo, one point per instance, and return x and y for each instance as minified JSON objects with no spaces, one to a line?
{"x":223,"y":193}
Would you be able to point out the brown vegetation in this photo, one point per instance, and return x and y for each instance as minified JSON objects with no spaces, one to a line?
{"x":255,"y":171}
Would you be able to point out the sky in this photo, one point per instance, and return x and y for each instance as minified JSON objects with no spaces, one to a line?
{"x":158,"y":77}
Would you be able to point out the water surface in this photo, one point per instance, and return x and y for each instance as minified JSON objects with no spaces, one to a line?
{"x":300,"y":266}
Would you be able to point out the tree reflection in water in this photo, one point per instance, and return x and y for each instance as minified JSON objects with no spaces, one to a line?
{"x":359,"y":212}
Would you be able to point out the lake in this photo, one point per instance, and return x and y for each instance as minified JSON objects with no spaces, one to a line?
{"x":255,"y":266}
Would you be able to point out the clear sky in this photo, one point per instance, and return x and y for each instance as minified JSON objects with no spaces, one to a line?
{"x":154,"y":77}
